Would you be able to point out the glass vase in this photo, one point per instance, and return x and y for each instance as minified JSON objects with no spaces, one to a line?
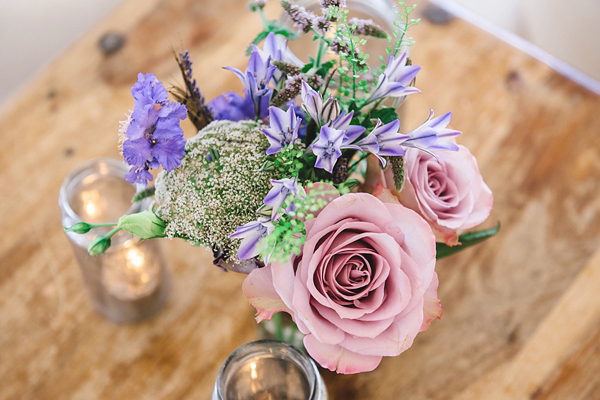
{"x":268,"y":369}
{"x":130,"y":281}
{"x":382,"y":12}
{"x":281,"y":327}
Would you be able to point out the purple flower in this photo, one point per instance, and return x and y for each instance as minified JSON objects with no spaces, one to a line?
{"x":153,"y":137}
{"x":233,"y":107}
{"x":251,"y":235}
{"x":283,"y":129}
{"x":280,"y":191}
{"x":427,"y":136}
{"x":256,"y":79}
{"x":395,"y":80}
{"x":384,"y":140}
{"x":312,"y":104}
{"x":327,"y":147}
{"x":275,"y":48}
{"x":342,"y":122}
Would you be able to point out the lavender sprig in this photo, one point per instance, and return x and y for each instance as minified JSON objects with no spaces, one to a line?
{"x":199,"y":113}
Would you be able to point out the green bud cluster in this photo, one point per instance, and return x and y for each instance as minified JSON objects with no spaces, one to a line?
{"x":287,"y":162}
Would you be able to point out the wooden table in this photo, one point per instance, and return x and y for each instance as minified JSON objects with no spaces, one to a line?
{"x":521,"y":312}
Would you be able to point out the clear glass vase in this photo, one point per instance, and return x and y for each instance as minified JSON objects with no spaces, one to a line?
{"x":281,"y":327}
{"x":268,"y":369}
{"x":130,"y":281}
{"x":382,"y":12}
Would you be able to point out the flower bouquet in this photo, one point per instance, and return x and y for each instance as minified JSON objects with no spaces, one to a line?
{"x":306,"y":183}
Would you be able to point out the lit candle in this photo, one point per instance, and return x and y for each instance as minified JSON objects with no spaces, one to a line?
{"x":269,"y":370}
{"x":129,"y":281}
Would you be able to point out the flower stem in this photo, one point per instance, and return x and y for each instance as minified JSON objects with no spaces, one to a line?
{"x":112,"y":233}
{"x":320,"y":52}
{"x":353,"y":166}
{"x":277,"y":321}
{"x":262,"y":16}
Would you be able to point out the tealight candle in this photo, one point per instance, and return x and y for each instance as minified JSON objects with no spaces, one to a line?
{"x":129,"y":281}
{"x":269,"y":370}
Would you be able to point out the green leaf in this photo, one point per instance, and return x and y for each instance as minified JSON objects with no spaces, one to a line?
{"x":385,"y":114}
{"x":259,"y":38}
{"x":466,"y":240}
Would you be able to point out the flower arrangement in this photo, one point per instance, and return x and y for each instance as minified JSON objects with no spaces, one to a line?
{"x":306,"y":183}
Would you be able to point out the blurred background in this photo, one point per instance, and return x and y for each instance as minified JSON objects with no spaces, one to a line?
{"x":34,"y":32}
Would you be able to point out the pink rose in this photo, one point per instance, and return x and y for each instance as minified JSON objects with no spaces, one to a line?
{"x":450,"y":194}
{"x":363,"y":287}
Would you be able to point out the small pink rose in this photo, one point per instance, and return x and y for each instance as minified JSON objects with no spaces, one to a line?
{"x":363,"y":287}
{"x":449,"y":194}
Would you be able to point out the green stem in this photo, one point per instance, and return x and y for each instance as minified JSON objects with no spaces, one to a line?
{"x":399,"y":43}
{"x":112,"y":233}
{"x":353,"y":166}
{"x":277,"y":321}
{"x":103,"y":224}
{"x":292,"y":335}
{"x":320,"y":52}
{"x":263,"y":17}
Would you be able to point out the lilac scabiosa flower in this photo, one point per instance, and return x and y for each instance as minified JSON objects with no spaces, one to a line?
{"x":153,"y":137}
{"x":384,"y":140}
{"x":327,"y":147}
{"x":427,"y":137}
{"x":283,"y":129}
{"x":233,"y":107}
{"x":251,"y":235}
{"x":256,"y":79}
{"x":281,"y":190}
{"x":395,"y":80}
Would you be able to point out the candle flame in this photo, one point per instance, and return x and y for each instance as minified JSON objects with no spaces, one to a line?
{"x":135,"y":258}
{"x":253,"y":373}
{"x":90,"y":202}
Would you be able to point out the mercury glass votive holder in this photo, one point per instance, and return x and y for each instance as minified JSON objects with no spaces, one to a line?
{"x":130,"y":281}
{"x":269,"y":370}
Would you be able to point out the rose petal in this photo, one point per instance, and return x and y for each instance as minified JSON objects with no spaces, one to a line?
{"x":432,"y":307}
{"x":261,"y":294}
{"x":395,"y":339}
{"x":336,"y":358}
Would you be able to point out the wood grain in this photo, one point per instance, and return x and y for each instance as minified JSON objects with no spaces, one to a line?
{"x":521,"y":314}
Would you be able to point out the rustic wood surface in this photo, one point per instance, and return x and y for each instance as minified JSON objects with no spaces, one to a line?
{"x":521,"y":312}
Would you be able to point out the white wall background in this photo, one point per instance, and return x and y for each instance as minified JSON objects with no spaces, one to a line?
{"x":33,"y":32}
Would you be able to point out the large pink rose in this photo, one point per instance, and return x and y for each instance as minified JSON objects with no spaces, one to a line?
{"x":450,"y":194}
{"x":363,"y":287}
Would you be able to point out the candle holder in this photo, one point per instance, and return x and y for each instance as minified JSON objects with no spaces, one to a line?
{"x":129,"y":282}
{"x":269,"y":369}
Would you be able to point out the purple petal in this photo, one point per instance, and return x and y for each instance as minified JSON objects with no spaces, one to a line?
{"x":278,"y":119}
{"x":238,"y":73}
{"x":137,"y":152}
{"x":440,"y":122}
{"x":169,"y":152}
